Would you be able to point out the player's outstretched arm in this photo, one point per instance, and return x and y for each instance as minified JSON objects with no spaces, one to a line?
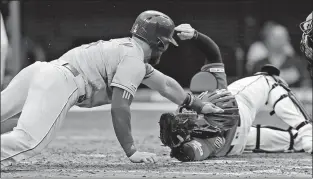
{"x":171,"y":89}
{"x":121,"y":117}
{"x":202,"y":41}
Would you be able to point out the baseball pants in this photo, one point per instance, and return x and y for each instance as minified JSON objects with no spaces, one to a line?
{"x":43,"y":92}
{"x":252,"y":93}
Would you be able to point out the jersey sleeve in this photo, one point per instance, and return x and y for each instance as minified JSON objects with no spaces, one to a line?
{"x":129,"y":74}
{"x":149,"y":70}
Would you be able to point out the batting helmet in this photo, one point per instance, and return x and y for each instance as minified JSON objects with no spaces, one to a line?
{"x":156,"y":29}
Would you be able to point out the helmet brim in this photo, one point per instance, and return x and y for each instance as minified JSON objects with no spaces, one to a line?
{"x":173,"y":41}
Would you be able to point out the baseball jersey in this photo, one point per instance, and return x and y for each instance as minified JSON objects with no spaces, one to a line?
{"x":105,"y":64}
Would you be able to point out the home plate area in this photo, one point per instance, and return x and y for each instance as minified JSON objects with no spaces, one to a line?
{"x":86,"y":147}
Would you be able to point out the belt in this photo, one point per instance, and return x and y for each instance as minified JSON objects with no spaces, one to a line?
{"x":75,"y":72}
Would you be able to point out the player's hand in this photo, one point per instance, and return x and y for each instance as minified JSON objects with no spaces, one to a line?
{"x":185,"y":31}
{"x":211,"y":108}
{"x":146,"y":157}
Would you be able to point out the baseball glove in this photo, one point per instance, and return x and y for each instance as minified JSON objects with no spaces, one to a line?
{"x":176,"y":129}
{"x":182,"y":127}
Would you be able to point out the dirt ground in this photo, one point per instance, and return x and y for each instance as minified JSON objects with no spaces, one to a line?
{"x":86,"y":146}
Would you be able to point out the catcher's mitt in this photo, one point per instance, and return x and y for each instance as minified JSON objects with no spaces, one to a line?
{"x":180,"y":128}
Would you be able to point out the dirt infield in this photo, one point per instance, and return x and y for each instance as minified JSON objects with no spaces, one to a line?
{"x":86,"y":146}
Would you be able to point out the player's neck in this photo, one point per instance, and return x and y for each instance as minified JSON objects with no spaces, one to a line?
{"x":145,"y":47}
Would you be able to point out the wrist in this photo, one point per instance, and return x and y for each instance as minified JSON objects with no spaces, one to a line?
{"x":195,"y":35}
{"x":129,"y":152}
{"x":193,"y":102}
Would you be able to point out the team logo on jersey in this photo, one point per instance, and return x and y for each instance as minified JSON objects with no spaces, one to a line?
{"x":219,"y":142}
{"x":126,"y":94}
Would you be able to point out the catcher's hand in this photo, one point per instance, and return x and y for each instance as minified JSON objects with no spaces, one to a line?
{"x":185,"y":31}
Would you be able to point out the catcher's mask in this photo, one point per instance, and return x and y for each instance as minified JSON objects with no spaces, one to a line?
{"x":306,"y":44}
{"x":156,"y":29}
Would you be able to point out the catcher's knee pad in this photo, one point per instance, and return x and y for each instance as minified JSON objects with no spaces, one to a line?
{"x":211,"y":77}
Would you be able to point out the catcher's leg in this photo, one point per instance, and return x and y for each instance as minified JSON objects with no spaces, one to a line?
{"x":271,"y":139}
{"x":14,"y":95}
{"x":286,"y":106}
{"x":252,"y":93}
{"x":53,"y":91}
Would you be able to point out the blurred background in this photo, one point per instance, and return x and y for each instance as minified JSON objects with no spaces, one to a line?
{"x":250,"y":33}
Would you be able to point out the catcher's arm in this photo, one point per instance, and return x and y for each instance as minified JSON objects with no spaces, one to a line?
{"x":202,"y":41}
{"x":208,"y":47}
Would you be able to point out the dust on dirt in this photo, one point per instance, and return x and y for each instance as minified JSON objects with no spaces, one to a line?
{"x":91,"y":156}
{"x":86,"y":146}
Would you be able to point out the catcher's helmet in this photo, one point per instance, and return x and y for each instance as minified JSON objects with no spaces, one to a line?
{"x":306,"y":44}
{"x":155,"y":28}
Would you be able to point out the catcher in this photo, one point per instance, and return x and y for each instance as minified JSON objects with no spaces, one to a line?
{"x":193,"y":137}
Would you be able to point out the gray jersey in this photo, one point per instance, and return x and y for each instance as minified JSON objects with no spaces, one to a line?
{"x":104,"y":64}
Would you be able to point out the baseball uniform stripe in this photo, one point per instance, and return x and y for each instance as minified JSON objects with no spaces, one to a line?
{"x":123,"y":87}
{"x":126,"y":95}
{"x":123,"y":94}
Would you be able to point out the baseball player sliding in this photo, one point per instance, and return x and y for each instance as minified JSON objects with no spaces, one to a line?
{"x":44,"y":92}
{"x":193,"y":136}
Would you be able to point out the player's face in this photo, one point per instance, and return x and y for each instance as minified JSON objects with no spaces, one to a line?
{"x":155,"y":57}
{"x":156,"y":53}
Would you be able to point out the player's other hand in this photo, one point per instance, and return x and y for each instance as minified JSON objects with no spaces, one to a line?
{"x":211,"y":108}
{"x":146,"y":157}
{"x":185,"y":31}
